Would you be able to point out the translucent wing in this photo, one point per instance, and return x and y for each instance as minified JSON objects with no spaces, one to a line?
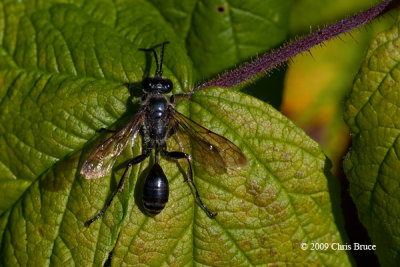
{"x":101,"y":160}
{"x":213,"y":151}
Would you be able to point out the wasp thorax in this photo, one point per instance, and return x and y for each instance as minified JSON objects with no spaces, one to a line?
{"x":155,"y":191}
{"x":157,"y":84}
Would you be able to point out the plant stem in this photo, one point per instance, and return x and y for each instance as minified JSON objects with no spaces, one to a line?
{"x":274,"y":58}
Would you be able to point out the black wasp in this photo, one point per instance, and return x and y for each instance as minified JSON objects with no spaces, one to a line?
{"x":157,"y":121}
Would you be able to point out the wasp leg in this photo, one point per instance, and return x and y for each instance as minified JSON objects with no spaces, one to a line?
{"x":182,"y":155}
{"x":134,"y":161}
{"x":177,"y":97}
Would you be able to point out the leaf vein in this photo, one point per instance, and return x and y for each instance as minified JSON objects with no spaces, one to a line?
{"x":69,"y":50}
{"x":378,"y":181}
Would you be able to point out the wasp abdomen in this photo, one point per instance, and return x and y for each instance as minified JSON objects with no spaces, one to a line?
{"x":155,"y":191}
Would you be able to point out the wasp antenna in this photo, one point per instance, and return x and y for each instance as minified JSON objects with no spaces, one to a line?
{"x":156,"y":58}
{"x":158,"y":66}
{"x":162,"y":57}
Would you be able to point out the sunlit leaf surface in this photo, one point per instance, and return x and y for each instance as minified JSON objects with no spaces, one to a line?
{"x":63,"y":67}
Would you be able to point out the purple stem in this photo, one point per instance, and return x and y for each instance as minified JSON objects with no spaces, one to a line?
{"x":273,"y":59}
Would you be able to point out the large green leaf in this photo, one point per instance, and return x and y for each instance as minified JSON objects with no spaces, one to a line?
{"x":227,"y":32}
{"x":372,"y":166}
{"x":62,"y":73}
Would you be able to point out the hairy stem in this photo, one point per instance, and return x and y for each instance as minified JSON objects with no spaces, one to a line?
{"x":273,"y":59}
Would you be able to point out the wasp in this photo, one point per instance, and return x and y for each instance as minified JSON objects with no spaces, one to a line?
{"x":157,"y":121}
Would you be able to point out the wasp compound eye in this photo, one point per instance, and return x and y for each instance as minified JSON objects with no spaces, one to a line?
{"x":155,"y":191}
{"x":168,"y":86}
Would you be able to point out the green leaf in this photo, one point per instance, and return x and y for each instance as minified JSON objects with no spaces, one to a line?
{"x":372,"y":165}
{"x":223,"y":33}
{"x":284,"y":184}
{"x":62,"y":73}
